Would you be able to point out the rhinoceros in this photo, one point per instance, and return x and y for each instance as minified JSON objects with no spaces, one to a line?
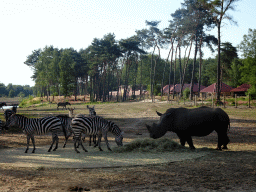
{"x":193,"y":122}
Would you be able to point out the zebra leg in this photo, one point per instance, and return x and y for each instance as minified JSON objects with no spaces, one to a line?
{"x":57,"y":142}
{"x":75,"y":140}
{"x":94,"y":139}
{"x":64,"y":145}
{"x":99,"y":141}
{"x":106,"y":140}
{"x":90,"y":140}
{"x":53,"y":141}
{"x":81,"y":143}
{"x":33,"y":141}
{"x":28,"y":139}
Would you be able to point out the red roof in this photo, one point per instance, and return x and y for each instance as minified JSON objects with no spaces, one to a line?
{"x":178,"y":86}
{"x":242,"y":88}
{"x":212,"y":88}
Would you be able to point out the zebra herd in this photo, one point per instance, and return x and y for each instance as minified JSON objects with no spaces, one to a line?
{"x":92,"y":125}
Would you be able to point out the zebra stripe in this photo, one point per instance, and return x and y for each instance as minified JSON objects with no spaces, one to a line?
{"x":66,"y":121}
{"x":95,"y":126}
{"x":39,"y":126}
{"x":92,"y":138}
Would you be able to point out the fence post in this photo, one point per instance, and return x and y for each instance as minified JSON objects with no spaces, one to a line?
{"x":235,"y":101}
{"x":224,"y":100}
{"x":249,"y":101}
{"x":212,"y":101}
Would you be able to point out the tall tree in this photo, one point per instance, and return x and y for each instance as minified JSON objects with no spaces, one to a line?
{"x":66,"y":65}
{"x":219,"y":9}
{"x":248,"y":68}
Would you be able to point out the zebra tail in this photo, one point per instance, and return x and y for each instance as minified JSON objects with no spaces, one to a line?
{"x":64,"y":131}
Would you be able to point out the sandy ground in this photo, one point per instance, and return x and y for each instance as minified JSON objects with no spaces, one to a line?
{"x":68,"y":158}
{"x":231,"y":170}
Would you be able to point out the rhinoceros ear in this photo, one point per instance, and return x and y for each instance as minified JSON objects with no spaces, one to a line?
{"x":148,"y":127}
{"x":159,"y":114}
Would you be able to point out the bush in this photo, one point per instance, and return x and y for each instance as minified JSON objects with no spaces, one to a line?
{"x":186,"y":93}
{"x":29,"y":101}
{"x":252,"y":92}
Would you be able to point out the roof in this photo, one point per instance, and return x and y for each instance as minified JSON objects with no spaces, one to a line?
{"x":212,"y":88}
{"x":178,"y":86}
{"x":242,"y":88}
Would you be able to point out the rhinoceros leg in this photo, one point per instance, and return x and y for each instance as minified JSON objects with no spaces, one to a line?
{"x":190,"y":142}
{"x":184,"y":138}
{"x":225,"y":141}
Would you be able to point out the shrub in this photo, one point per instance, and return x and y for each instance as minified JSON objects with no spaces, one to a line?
{"x":186,"y":93}
{"x":252,"y":92}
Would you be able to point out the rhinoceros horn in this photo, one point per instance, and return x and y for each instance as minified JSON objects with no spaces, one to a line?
{"x":159,"y":114}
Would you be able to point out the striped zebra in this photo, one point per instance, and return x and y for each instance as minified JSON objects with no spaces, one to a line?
{"x":2,"y":104}
{"x":95,"y":126}
{"x":9,"y":112}
{"x":66,"y":121}
{"x":92,"y":138}
{"x":37,"y":126}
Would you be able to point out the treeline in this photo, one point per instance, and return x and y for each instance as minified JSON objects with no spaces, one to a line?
{"x":15,"y":90}
{"x":108,"y":63}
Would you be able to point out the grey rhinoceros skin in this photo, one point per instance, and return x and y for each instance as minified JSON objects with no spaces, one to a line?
{"x":193,"y":122}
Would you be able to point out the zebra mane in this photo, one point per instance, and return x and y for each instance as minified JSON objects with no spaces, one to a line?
{"x":18,"y":115}
{"x":63,"y":116}
{"x":113,"y":128}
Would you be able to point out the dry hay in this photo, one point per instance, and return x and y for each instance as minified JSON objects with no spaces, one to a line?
{"x":151,"y":145}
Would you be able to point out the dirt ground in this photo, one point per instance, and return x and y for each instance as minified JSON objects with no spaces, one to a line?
{"x":230,"y":170}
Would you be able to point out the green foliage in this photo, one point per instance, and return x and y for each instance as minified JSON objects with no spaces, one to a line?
{"x":248,"y":45}
{"x":186,"y":93}
{"x":248,"y":68}
{"x":11,"y":93}
{"x":15,"y":90}
{"x":252,"y":92}
{"x":25,"y":102}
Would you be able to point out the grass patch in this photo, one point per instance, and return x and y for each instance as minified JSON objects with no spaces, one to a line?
{"x":150,"y":145}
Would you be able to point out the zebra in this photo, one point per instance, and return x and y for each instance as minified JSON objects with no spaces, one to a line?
{"x":9,"y":112}
{"x":2,"y":104}
{"x":37,"y":126}
{"x":92,"y":138}
{"x":95,"y":126}
{"x":63,"y":104}
{"x":66,"y":120}
{"x":91,"y":110}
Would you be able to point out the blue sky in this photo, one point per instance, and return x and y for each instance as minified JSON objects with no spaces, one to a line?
{"x":27,"y":25}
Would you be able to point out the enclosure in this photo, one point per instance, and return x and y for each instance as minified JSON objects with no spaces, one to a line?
{"x":230,"y":170}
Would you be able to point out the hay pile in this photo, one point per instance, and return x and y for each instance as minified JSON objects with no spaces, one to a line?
{"x":150,"y":145}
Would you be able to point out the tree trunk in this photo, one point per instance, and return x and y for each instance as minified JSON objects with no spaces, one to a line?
{"x":170,"y":74}
{"x":218,"y":67}
{"x":200,"y":66}
{"x":193,"y":71}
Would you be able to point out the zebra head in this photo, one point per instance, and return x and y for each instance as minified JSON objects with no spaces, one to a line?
{"x":91,"y":111}
{"x":12,"y":120}
{"x":119,"y":139}
{"x":117,"y":132}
